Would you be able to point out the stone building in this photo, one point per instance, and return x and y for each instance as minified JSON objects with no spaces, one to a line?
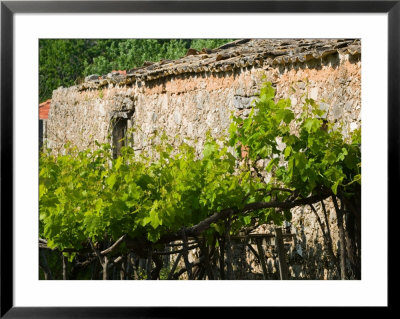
{"x":198,"y":93}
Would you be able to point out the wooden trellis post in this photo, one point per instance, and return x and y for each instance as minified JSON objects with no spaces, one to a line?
{"x":261,"y":255}
{"x":283,"y":267}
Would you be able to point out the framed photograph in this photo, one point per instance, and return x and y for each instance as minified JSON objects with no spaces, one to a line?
{"x":125,"y":176}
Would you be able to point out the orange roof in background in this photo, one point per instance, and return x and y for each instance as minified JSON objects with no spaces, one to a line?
{"x":44,"y":109}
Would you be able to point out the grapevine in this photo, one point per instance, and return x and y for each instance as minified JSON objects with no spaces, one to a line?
{"x":96,"y":209}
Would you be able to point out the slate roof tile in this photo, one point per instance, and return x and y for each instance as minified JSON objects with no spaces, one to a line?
{"x":237,"y":54}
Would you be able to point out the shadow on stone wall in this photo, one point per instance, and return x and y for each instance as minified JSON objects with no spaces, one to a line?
{"x":310,"y":262}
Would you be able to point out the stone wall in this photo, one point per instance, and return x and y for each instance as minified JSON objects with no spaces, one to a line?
{"x":188,"y":105}
{"x":82,"y":117}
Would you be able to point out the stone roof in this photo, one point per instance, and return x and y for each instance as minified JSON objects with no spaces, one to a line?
{"x":234,"y":55}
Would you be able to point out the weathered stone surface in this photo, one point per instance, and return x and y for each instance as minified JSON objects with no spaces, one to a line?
{"x":337,"y":111}
{"x":353,"y":126}
{"x":314,"y":93}
{"x":243,"y":53}
{"x":324,"y":107}
{"x":243,"y":102}
{"x":187,"y":105}
{"x":92,"y":77}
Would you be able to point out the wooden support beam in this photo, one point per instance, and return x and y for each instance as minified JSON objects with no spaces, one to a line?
{"x":64,"y":266}
{"x":283,"y":267}
{"x":171,"y":274}
{"x":254,"y":252}
{"x":149,"y":263}
{"x":261,"y":255}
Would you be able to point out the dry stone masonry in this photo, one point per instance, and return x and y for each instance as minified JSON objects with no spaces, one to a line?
{"x":199,"y":92}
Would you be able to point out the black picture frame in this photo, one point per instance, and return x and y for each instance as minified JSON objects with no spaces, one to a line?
{"x":9,"y":8}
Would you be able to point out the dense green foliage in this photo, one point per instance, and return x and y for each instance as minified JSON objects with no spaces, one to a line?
{"x":315,"y":153}
{"x":87,"y":194}
{"x":66,"y":62}
{"x":82,"y":196}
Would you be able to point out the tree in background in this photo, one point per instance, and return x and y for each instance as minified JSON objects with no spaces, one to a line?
{"x":65,"y":62}
{"x":61,"y":62}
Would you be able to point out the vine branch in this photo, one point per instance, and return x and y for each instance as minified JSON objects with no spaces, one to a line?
{"x":205,"y":224}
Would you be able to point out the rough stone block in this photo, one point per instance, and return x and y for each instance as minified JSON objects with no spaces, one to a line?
{"x":243,"y":102}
